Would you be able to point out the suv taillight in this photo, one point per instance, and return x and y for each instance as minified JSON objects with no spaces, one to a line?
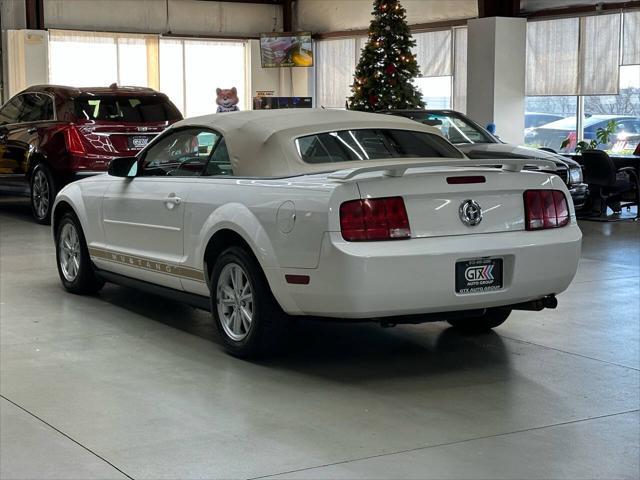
{"x":73,"y":140}
{"x":374,"y":219}
{"x":545,"y":209}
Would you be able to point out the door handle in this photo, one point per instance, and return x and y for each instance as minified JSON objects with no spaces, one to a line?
{"x":32,"y":130}
{"x":172,"y":201}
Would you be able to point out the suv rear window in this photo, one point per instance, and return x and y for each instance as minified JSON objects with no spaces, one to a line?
{"x":372,"y":144}
{"x":126,"y":108}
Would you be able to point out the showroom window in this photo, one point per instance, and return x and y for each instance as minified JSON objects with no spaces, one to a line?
{"x":441,"y":54}
{"x":106,"y":58}
{"x":191,"y":70}
{"x":188,"y":71}
{"x":581,"y":74}
{"x":433,"y":53}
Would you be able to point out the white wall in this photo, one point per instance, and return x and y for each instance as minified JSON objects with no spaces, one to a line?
{"x":190,"y":17}
{"x":337,"y":15}
{"x":496,"y":49}
{"x":27,"y":56}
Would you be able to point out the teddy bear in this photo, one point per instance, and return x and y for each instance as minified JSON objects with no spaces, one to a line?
{"x":227,"y":100}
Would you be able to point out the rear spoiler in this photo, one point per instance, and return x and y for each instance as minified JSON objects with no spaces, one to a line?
{"x":399,"y":169}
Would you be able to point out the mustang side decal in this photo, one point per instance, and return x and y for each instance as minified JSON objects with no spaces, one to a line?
{"x":147,"y":264}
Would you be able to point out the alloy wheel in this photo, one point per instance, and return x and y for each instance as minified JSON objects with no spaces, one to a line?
{"x":69,"y":252}
{"x":40,"y":194}
{"x":234,"y":301}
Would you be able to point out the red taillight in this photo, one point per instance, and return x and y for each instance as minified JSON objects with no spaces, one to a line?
{"x":374,"y":219}
{"x":73,"y":140}
{"x":466,"y":179}
{"x":545,"y":209}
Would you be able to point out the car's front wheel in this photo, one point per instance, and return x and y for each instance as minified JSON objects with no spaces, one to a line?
{"x":249,"y":320}
{"x":72,"y":255}
{"x":492,"y":318}
{"x":43,"y":193}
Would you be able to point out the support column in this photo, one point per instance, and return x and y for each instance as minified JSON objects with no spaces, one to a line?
{"x":496,"y":52}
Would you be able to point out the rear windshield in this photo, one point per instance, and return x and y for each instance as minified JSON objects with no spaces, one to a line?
{"x":126,"y":108}
{"x":372,"y":144}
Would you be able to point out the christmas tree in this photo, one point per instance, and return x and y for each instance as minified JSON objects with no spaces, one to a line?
{"x":383,"y":76}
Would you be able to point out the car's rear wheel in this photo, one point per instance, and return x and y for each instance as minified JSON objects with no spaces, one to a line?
{"x":249,"y":320}
{"x":43,"y":193}
{"x":74,"y":264}
{"x":492,"y":318}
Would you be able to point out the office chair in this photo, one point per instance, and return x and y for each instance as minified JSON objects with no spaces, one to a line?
{"x":609,"y":186}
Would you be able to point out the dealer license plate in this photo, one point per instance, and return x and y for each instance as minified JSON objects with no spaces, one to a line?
{"x":479,"y":275}
{"x":138,"y":142}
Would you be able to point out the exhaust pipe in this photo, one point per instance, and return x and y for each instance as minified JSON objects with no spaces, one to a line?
{"x":550,"y":301}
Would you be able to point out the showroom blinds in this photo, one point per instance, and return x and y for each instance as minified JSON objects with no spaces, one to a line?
{"x":439,"y":53}
{"x":335,"y":65}
{"x":599,"y":59}
{"x":579,"y":56}
{"x":433,"y":52}
{"x":631,"y":38}
{"x":552,"y":57}
{"x":460,"y":69}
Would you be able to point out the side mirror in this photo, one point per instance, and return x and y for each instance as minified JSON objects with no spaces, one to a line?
{"x":123,"y":167}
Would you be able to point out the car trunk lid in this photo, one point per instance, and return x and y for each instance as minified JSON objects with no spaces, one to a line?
{"x":440,"y":201}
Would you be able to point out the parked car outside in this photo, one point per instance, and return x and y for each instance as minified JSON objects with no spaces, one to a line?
{"x":537,"y":119}
{"x":477,"y":143}
{"x":260,"y":215}
{"x":52,"y":135}
{"x":553,"y":134}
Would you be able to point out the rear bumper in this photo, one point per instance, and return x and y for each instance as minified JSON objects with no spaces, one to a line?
{"x":382,"y":279}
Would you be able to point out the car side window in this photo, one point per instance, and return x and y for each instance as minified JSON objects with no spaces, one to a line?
{"x":11,"y":110}
{"x":183,"y":153}
{"x":219,"y":163}
{"x":37,"y":107}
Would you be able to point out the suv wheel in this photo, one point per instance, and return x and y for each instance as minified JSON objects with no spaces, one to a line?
{"x":249,"y":320}
{"x":74,"y":264}
{"x":492,"y":318}
{"x":43,"y":193}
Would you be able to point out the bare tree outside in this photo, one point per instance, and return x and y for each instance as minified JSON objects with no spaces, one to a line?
{"x":627,"y":102}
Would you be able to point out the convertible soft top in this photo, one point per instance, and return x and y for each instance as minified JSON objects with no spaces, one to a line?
{"x":261,"y":143}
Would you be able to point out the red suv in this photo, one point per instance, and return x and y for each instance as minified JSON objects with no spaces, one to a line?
{"x":52,"y":135}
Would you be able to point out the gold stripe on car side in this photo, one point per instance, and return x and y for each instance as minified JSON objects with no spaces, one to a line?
{"x":147,"y":264}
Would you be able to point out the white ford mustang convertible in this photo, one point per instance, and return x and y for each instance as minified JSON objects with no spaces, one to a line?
{"x":261,"y":216}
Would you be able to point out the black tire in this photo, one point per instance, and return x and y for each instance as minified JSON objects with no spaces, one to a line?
{"x":492,"y":318}
{"x":268,"y":323}
{"x":85,"y":279}
{"x":43,"y":191}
